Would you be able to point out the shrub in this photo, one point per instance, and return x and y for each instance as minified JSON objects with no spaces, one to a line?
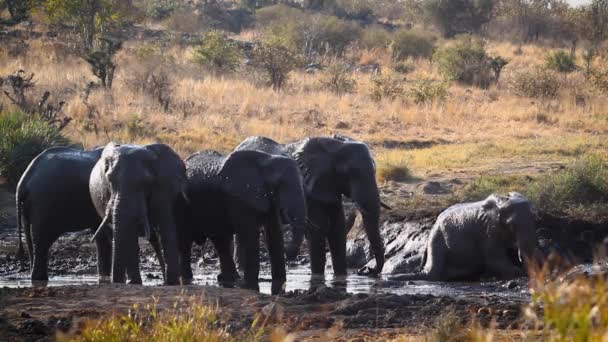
{"x":335,"y":35}
{"x":580,"y":186}
{"x":427,"y":91}
{"x":22,"y":138}
{"x":403,"y":67}
{"x":560,"y":61}
{"x":412,"y":44}
{"x":374,"y":37}
{"x":218,"y":52}
{"x":465,"y":60}
{"x":386,"y":86}
{"x":158,"y":9}
{"x":338,"y":79}
{"x":392,"y":166}
{"x":277,"y":59}
{"x":353,"y":9}
{"x":539,"y":83}
{"x":599,"y":79}
{"x":459,"y":16}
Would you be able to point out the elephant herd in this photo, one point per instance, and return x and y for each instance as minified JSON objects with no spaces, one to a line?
{"x":124,"y":192}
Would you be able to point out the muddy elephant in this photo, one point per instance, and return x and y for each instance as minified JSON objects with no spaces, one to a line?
{"x":52,"y":198}
{"x":332,"y":168}
{"x":238,"y":194}
{"x":471,"y":239}
{"x":134,"y":189}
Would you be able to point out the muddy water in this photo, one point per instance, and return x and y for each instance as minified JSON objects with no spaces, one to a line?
{"x":298,"y":278}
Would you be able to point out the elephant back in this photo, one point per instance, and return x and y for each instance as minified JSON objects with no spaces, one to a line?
{"x":203,"y":165}
{"x":260,"y":143}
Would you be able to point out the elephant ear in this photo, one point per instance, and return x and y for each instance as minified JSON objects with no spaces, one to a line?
{"x":166,"y":165}
{"x":316,"y":159}
{"x":242,"y":176}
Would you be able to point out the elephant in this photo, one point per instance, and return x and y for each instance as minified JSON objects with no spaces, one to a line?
{"x":52,"y":198}
{"x":470,"y":239}
{"x":237,"y":194}
{"x":135,"y":189}
{"x":332,"y":168}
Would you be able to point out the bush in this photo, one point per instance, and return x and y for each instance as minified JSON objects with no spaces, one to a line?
{"x":218,"y":52}
{"x":276,"y":57}
{"x":412,"y":44}
{"x":22,"y":138}
{"x":539,"y":83}
{"x":403,"y":67}
{"x":392,"y":166}
{"x":465,"y":60}
{"x":427,"y":91}
{"x":338,"y":79}
{"x":158,"y":9}
{"x":560,"y":61}
{"x":354,"y":9}
{"x":459,"y":16}
{"x":335,"y":35}
{"x":387,"y":86}
{"x":581,"y":186}
{"x":599,"y":79}
{"x":375,"y":37}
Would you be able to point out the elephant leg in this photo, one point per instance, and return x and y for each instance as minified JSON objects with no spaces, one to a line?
{"x":499,"y":264}
{"x":316,"y":238}
{"x":133,"y":267}
{"x":274,"y":241}
{"x":155,"y":243}
{"x":337,"y":241}
{"x":185,"y":261}
{"x":104,"y":255}
{"x":228,"y":273}
{"x":41,"y":244}
{"x":249,"y":239}
{"x":434,"y":267}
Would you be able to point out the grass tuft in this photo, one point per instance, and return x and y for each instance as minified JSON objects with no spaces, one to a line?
{"x":393,"y":166}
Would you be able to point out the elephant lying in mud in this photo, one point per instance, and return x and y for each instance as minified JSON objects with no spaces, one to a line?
{"x":332,"y":168}
{"x":134,"y":189}
{"x":470,"y":239}
{"x":237,"y":194}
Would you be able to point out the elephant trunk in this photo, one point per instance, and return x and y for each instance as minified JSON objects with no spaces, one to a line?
{"x":527,"y":251}
{"x":125,"y":238}
{"x":371,"y":222}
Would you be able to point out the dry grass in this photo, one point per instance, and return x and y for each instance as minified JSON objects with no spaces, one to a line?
{"x":484,"y":127}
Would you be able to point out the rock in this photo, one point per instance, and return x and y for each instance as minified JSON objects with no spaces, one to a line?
{"x":433,"y":188}
{"x":342,"y":125}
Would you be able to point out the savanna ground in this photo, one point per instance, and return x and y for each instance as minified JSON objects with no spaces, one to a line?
{"x":459,"y":146}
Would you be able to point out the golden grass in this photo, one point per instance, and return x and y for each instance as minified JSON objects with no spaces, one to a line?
{"x":484,"y":127}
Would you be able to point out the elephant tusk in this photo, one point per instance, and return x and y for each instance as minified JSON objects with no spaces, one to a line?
{"x":103,"y":224}
{"x":385,"y":206}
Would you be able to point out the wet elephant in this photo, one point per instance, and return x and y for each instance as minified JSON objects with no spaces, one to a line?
{"x":471,"y":239}
{"x":332,"y":168}
{"x":134,"y":189}
{"x":238,"y":194}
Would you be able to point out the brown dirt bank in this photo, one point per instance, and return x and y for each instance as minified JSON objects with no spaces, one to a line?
{"x":37,"y":313}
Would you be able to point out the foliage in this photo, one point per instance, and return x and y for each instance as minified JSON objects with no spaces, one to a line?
{"x":373,"y":37}
{"x":539,"y":83}
{"x":159,"y":9}
{"x":338,"y":79}
{"x":427,"y":91}
{"x":404,"y":67}
{"x":18,"y":9}
{"x":386,"y":86}
{"x":101,"y":60}
{"x":560,"y":61}
{"x":413,"y":44}
{"x":459,"y":16}
{"x":393,"y":166}
{"x":464,"y":60}
{"x":217,"y":51}
{"x":276,"y":57}
{"x":497,"y":63}
{"x":92,"y":18}
{"x":599,"y":78}
{"x":353,"y":9}
{"x":22,"y":138}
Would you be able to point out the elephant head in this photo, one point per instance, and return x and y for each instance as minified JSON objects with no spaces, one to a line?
{"x":138,"y":187}
{"x":516,"y":216}
{"x":267,"y":182}
{"x":332,"y":168}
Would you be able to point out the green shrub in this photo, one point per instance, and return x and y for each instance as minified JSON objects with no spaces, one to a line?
{"x":465,"y":60}
{"x":386,"y":86}
{"x":459,"y":16}
{"x":427,"y":91}
{"x":375,"y":37}
{"x":560,"y":61}
{"x":158,"y":9}
{"x":412,"y":44}
{"x":599,"y":79}
{"x":276,"y":57}
{"x":539,"y":83}
{"x":335,"y":35}
{"x":22,"y":138}
{"x":217,"y":51}
{"x":579,"y":187}
{"x":403,"y":67}
{"x":338,"y":78}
